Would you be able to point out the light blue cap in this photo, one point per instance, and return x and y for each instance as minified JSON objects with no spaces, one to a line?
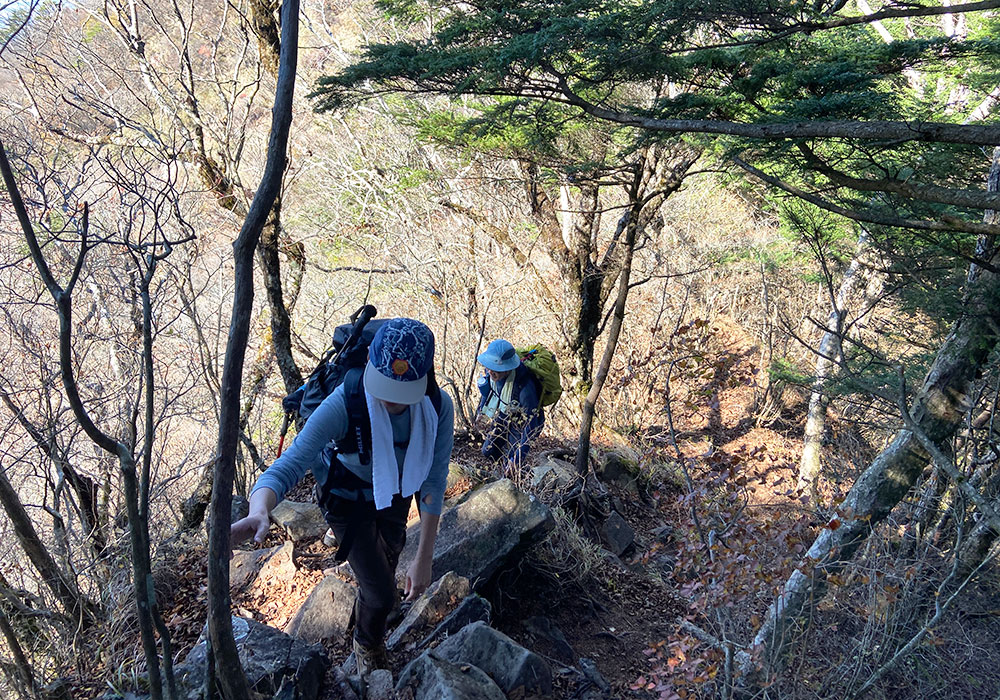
{"x":499,"y":356}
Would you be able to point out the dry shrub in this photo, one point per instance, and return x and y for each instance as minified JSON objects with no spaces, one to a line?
{"x":567,"y":556}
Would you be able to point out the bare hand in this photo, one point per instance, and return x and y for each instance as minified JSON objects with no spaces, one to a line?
{"x":254,"y":525}
{"x":418,"y":578}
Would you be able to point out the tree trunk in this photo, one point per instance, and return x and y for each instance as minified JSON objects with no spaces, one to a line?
{"x":617,"y":319}
{"x":138,"y":529}
{"x":983,"y":535}
{"x":633,"y":221}
{"x":229,"y":671}
{"x":829,"y":350}
{"x":265,"y":26}
{"x":23,"y":668}
{"x":281,"y":324}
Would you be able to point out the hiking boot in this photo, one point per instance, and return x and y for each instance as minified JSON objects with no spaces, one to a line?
{"x":330,"y":539}
{"x":368,"y":659}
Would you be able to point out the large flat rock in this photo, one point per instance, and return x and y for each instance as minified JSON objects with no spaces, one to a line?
{"x":430,"y":677}
{"x":247,"y":566}
{"x":493,"y":525}
{"x":299,"y":520}
{"x":512,"y":667}
{"x":429,"y":609}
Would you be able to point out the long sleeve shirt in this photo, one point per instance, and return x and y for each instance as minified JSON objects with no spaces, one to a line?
{"x":329,"y":422}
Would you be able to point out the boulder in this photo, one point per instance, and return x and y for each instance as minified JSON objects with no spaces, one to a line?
{"x":270,"y":658}
{"x":247,"y":566}
{"x":239,"y":508}
{"x":429,"y":609}
{"x":430,"y":677}
{"x":512,"y":667}
{"x":620,"y":469}
{"x":555,"y":474}
{"x":476,"y":537}
{"x":299,"y":520}
{"x":326,"y":612}
{"x":663,"y":533}
{"x":379,"y":685}
{"x":616,"y":534}
{"x":615,"y":464}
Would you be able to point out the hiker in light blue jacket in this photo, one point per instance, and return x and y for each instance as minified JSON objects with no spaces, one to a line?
{"x":509,"y":397}
{"x":408,"y":444}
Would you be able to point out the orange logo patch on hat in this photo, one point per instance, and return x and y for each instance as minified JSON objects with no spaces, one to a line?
{"x":400,"y":367}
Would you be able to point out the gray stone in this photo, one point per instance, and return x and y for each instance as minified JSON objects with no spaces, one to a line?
{"x":195,"y":510}
{"x":326,"y":613}
{"x":510,"y":665}
{"x":555,"y":474}
{"x":545,"y":631}
{"x":429,"y":609}
{"x":615,"y":464}
{"x":299,"y":520}
{"x":247,"y":566}
{"x":239,"y":508}
{"x":270,"y":660}
{"x":379,"y":685}
{"x":280,"y":565}
{"x":473,"y":609}
{"x":620,"y":469}
{"x":495,"y":523}
{"x":617,"y":534}
{"x":664,"y":533}
{"x":430,"y":677}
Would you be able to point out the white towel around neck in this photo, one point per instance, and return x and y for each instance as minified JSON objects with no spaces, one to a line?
{"x":419,"y":451}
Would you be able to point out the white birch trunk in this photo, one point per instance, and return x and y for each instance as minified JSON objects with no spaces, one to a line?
{"x":829,"y":350}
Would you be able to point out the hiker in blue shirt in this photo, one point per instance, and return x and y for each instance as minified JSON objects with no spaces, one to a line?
{"x":366,"y":501}
{"x":510,"y":395}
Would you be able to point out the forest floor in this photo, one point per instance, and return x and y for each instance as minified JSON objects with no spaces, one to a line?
{"x":611,"y":617}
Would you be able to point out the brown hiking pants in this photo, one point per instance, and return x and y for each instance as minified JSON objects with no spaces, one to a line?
{"x":374,"y":540}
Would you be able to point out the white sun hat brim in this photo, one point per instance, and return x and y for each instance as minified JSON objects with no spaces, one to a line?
{"x":394,"y":390}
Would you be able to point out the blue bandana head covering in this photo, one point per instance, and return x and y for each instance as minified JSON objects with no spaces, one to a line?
{"x":399,"y":358}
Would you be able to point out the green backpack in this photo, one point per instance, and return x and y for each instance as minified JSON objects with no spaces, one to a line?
{"x":542,"y":364}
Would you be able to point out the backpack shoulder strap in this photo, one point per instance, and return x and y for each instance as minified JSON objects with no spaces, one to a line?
{"x":358,"y":437}
{"x":523,"y":375}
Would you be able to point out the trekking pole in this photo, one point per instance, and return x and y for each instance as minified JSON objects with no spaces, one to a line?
{"x":284,"y":430}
